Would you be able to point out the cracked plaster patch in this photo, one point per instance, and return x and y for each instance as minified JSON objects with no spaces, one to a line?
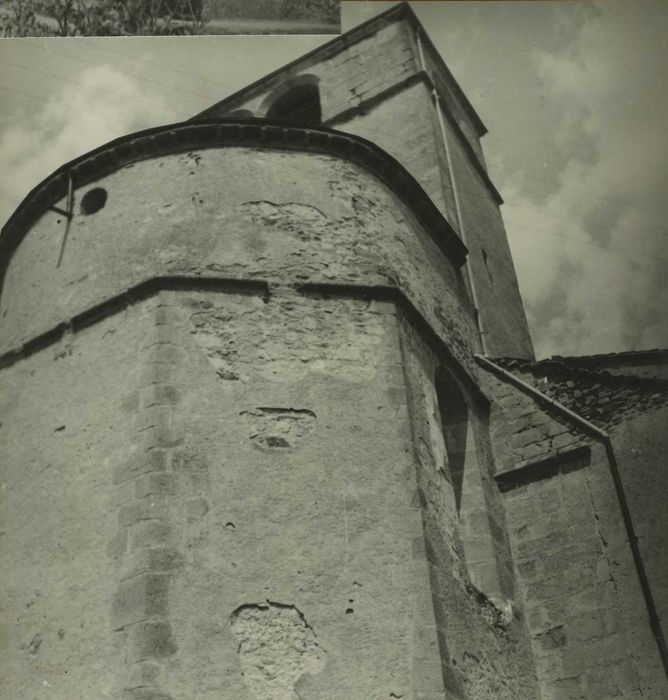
{"x":279,"y":428}
{"x":276,"y":648}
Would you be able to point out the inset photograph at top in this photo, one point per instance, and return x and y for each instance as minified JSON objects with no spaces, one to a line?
{"x":30,"y":18}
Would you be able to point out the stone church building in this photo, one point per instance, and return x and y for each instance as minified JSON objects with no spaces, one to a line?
{"x":272,"y":426}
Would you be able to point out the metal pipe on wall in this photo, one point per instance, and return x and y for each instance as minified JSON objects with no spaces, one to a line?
{"x":458,"y":210}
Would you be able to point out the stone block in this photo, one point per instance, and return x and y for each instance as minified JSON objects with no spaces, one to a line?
{"x":149,"y":508}
{"x":156,"y":373}
{"x":150,"y":640}
{"x":163,"y":352}
{"x":552,"y":638}
{"x":118,"y":544}
{"x":566,"y":689}
{"x":196,"y":509}
{"x":139,"y":464}
{"x":160,"y":395}
{"x":148,"y":533}
{"x":155,"y":484}
{"x":142,"y":674}
{"x":151,"y":560}
{"x":588,"y":626}
{"x":563,"y":440}
{"x":526,"y":437}
{"x":140,"y":597}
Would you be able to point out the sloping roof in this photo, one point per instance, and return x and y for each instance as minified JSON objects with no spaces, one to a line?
{"x":598,"y":395}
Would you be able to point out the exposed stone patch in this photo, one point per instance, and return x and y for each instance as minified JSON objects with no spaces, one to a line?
{"x":305,"y":220}
{"x":279,"y":428}
{"x":276,"y":648}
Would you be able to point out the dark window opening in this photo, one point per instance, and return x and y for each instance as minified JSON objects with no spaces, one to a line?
{"x":93,"y":200}
{"x":485,"y":259}
{"x":300,"y":105}
{"x":455,"y":425}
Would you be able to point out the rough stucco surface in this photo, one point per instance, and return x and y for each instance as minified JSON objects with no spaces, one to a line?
{"x":318,"y":219}
{"x":307,"y":518}
{"x":66,"y":418}
{"x":262,"y":535}
{"x":253,"y":526}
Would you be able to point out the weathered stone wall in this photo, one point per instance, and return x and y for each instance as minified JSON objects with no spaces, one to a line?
{"x":483,"y":642}
{"x":69,"y":414}
{"x":240,"y":457}
{"x":375,"y":87}
{"x":586,"y":614}
{"x":291,"y":501}
{"x":317,"y":219}
{"x":407,"y":133}
{"x":352,"y":74}
{"x":641,"y":446}
{"x":248,"y":511}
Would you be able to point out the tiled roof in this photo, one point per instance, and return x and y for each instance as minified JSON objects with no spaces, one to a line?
{"x":595,"y":394}
{"x":632,"y":357}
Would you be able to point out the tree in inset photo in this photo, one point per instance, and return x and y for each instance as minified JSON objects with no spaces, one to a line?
{"x":20,"y":18}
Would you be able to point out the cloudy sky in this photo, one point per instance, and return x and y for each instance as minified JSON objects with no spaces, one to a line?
{"x":574,"y":95}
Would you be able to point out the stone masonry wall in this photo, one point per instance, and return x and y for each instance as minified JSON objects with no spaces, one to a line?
{"x":70,"y":415}
{"x":378,"y":75}
{"x":251,"y":524}
{"x":641,"y":446}
{"x":585,"y":611}
{"x":246,"y":513}
{"x":317,"y":220}
{"x":483,"y":645}
{"x":294,"y":517}
{"x":407,"y":132}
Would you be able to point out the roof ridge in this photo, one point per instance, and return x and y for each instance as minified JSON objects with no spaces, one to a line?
{"x":564,"y":369}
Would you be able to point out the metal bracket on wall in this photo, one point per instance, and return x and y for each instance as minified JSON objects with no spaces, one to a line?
{"x":68,"y":214}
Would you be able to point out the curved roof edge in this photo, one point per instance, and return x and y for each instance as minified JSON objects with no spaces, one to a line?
{"x":213,"y":133}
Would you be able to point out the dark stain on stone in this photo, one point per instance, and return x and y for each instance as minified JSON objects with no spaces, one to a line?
{"x":35,"y":644}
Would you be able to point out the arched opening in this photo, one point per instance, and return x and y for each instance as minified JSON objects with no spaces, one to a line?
{"x":240,"y":114}
{"x":298,"y":105}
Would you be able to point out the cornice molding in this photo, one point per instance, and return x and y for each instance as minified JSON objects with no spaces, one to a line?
{"x":221,"y":133}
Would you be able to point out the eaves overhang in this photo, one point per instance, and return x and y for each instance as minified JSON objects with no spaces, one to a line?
{"x":220,"y":133}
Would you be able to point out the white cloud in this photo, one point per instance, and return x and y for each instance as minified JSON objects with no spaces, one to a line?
{"x":102,"y":105}
{"x":592,"y":256}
